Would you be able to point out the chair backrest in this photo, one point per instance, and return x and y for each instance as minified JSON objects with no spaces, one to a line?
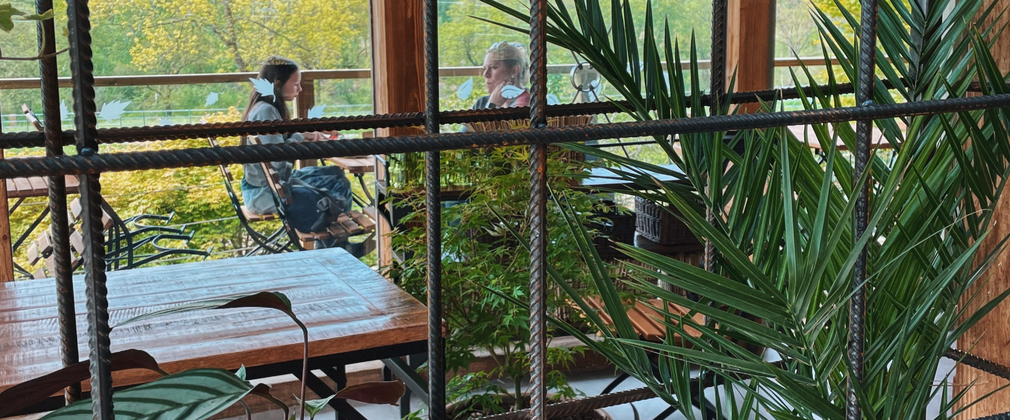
{"x":228,"y":179}
{"x":225,"y":172}
{"x":273,"y":179}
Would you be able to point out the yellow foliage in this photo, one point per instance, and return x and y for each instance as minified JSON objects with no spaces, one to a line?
{"x":173,"y":33}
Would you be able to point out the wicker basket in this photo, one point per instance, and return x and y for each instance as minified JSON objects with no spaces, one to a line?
{"x":659,"y":225}
{"x":504,"y":125}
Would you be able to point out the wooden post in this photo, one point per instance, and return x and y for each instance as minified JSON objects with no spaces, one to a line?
{"x":397,"y":73}
{"x":6,"y":253}
{"x":988,"y":338}
{"x":303,"y":103}
{"x":306,"y":98}
{"x":750,"y":46}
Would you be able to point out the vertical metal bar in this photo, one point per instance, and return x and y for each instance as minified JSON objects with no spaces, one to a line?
{"x":83,"y":79}
{"x":717,"y":90}
{"x":58,"y":196}
{"x":433,"y":204}
{"x":717,"y":84}
{"x":857,"y":306}
{"x":538,"y":210}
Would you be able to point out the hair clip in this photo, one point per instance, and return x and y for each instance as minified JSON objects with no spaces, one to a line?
{"x":278,"y":61}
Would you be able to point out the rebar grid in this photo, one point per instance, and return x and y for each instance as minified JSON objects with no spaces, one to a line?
{"x":88,"y":138}
{"x":433,"y":206}
{"x":864,"y":128}
{"x":60,"y":228}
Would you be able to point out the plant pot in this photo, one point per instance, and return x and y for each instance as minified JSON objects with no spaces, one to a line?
{"x":464,"y":410}
{"x":659,"y":224}
{"x":619,"y":228}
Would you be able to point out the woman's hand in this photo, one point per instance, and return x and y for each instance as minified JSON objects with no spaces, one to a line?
{"x":496,"y":96}
{"x":320,"y":136}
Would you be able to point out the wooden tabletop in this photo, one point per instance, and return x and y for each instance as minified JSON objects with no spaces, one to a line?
{"x":36,"y":186}
{"x":354,"y":164}
{"x":346,"y":306}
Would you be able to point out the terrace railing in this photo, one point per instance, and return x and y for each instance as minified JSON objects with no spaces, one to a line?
{"x":305,"y":101}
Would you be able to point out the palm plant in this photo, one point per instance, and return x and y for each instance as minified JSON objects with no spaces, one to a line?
{"x":783,"y":221}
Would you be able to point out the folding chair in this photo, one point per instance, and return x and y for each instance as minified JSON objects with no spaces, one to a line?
{"x":350,"y":224}
{"x":270,"y":242}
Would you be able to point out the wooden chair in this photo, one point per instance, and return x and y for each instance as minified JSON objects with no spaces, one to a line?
{"x":266,"y":242}
{"x":124,"y":237}
{"x":42,"y":248}
{"x":352,"y":223}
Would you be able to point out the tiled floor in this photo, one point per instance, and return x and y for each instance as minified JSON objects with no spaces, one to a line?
{"x":589,"y":383}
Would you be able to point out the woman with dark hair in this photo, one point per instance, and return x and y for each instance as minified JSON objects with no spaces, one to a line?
{"x":506,"y":73}
{"x":307,"y":185}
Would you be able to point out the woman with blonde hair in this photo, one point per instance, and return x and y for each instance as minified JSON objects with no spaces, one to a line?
{"x":506,"y":73}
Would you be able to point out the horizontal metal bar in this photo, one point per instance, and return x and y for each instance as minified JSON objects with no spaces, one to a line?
{"x":109,"y":162}
{"x":188,"y":131}
{"x":342,"y":74}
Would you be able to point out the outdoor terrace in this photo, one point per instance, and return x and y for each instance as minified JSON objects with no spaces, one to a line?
{"x":806,"y":280}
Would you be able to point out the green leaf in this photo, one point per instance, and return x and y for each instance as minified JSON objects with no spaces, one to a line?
{"x":28,"y":393}
{"x":273,"y":300}
{"x":380,"y":392}
{"x":190,"y":395}
{"x":313,"y":407}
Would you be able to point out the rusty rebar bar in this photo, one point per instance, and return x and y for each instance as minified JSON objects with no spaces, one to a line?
{"x":60,"y":228}
{"x":864,"y":127}
{"x":433,"y":207}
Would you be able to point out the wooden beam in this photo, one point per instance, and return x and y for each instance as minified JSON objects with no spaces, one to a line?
{"x":750,"y":46}
{"x":987,"y":339}
{"x":6,"y":253}
{"x":397,"y":73}
{"x":397,"y":60}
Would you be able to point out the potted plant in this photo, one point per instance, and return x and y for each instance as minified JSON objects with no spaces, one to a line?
{"x":483,"y":263}
{"x":783,"y":231}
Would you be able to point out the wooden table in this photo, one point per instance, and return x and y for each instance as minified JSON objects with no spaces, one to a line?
{"x":36,"y":186}
{"x":354,"y":164}
{"x":352,"y":313}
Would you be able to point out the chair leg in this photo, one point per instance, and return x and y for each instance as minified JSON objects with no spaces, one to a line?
{"x":666,"y":413}
{"x":613,"y":384}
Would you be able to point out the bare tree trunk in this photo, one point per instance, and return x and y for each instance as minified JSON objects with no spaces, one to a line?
{"x":231,"y":38}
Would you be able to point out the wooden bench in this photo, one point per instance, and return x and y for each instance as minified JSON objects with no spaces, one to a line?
{"x":352,"y":313}
{"x":645,"y":319}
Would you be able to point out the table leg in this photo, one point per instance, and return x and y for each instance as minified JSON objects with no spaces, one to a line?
{"x":406,"y":371}
{"x":320,"y":388}
{"x":344,"y":410}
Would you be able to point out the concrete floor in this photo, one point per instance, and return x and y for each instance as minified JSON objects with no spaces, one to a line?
{"x":590,"y":383}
